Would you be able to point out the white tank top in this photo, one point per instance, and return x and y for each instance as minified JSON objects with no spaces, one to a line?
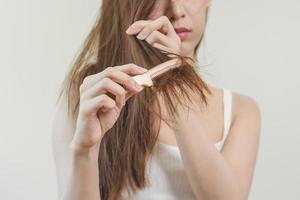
{"x":165,"y":169}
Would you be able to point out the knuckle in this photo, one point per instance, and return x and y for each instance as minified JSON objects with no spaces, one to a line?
{"x":109,"y":70}
{"x":131,"y":65}
{"x":91,"y":76}
{"x":108,"y":100}
{"x":132,"y":68}
{"x":148,"y":23}
{"x":120,"y":95}
{"x":81,"y":87}
{"x":86,"y":79}
{"x":164,"y":18}
{"x":102,"y":98}
{"x":118,"y":67}
{"x":105,"y":82}
{"x":120,"y":90}
{"x":145,"y":30}
{"x":150,"y":40}
{"x":155,"y":34}
{"x":134,"y":65}
{"x":123,"y":91}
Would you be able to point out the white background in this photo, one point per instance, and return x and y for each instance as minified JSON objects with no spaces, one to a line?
{"x":252,"y":47}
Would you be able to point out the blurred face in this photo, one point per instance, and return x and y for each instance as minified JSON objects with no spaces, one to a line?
{"x":187,"y":18}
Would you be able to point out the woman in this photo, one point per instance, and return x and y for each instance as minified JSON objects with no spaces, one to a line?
{"x":180,"y":139}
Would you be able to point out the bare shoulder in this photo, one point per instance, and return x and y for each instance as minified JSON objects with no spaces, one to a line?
{"x":245,"y":107}
{"x":242,"y":105}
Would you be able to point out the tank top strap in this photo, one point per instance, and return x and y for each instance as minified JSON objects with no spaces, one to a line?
{"x":227,"y":103}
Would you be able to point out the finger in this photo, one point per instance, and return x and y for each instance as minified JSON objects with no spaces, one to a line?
{"x":104,"y":86}
{"x":131,"y":69}
{"x":137,"y":26}
{"x":166,"y":25}
{"x":162,"y":24}
{"x":121,"y":74}
{"x":158,"y":37}
{"x":162,"y":42}
{"x":92,"y":106}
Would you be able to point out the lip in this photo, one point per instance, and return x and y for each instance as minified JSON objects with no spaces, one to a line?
{"x":181,"y":29}
{"x":182,"y":32}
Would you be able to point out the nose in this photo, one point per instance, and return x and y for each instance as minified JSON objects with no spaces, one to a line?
{"x":176,"y":10}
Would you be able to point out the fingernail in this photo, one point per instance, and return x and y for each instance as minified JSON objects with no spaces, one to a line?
{"x":140,"y":36}
{"x":129,"y":30}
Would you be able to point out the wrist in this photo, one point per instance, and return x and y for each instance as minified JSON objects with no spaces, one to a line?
{"x":84,"y":153}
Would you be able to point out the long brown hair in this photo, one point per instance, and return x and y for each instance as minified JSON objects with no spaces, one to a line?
{"x":127,"y":146}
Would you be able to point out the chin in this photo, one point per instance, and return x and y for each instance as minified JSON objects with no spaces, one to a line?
{"x":186,"y":50}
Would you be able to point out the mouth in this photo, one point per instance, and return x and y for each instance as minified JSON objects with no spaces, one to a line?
{"x":182,"y":32}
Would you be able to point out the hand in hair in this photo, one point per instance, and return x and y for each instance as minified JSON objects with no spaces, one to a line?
{"x":98,"y":110}
{"x":159,"y":33}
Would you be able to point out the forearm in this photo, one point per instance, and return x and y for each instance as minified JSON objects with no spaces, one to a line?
{"x":83,"y":182}
{"x":210,"y":176}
